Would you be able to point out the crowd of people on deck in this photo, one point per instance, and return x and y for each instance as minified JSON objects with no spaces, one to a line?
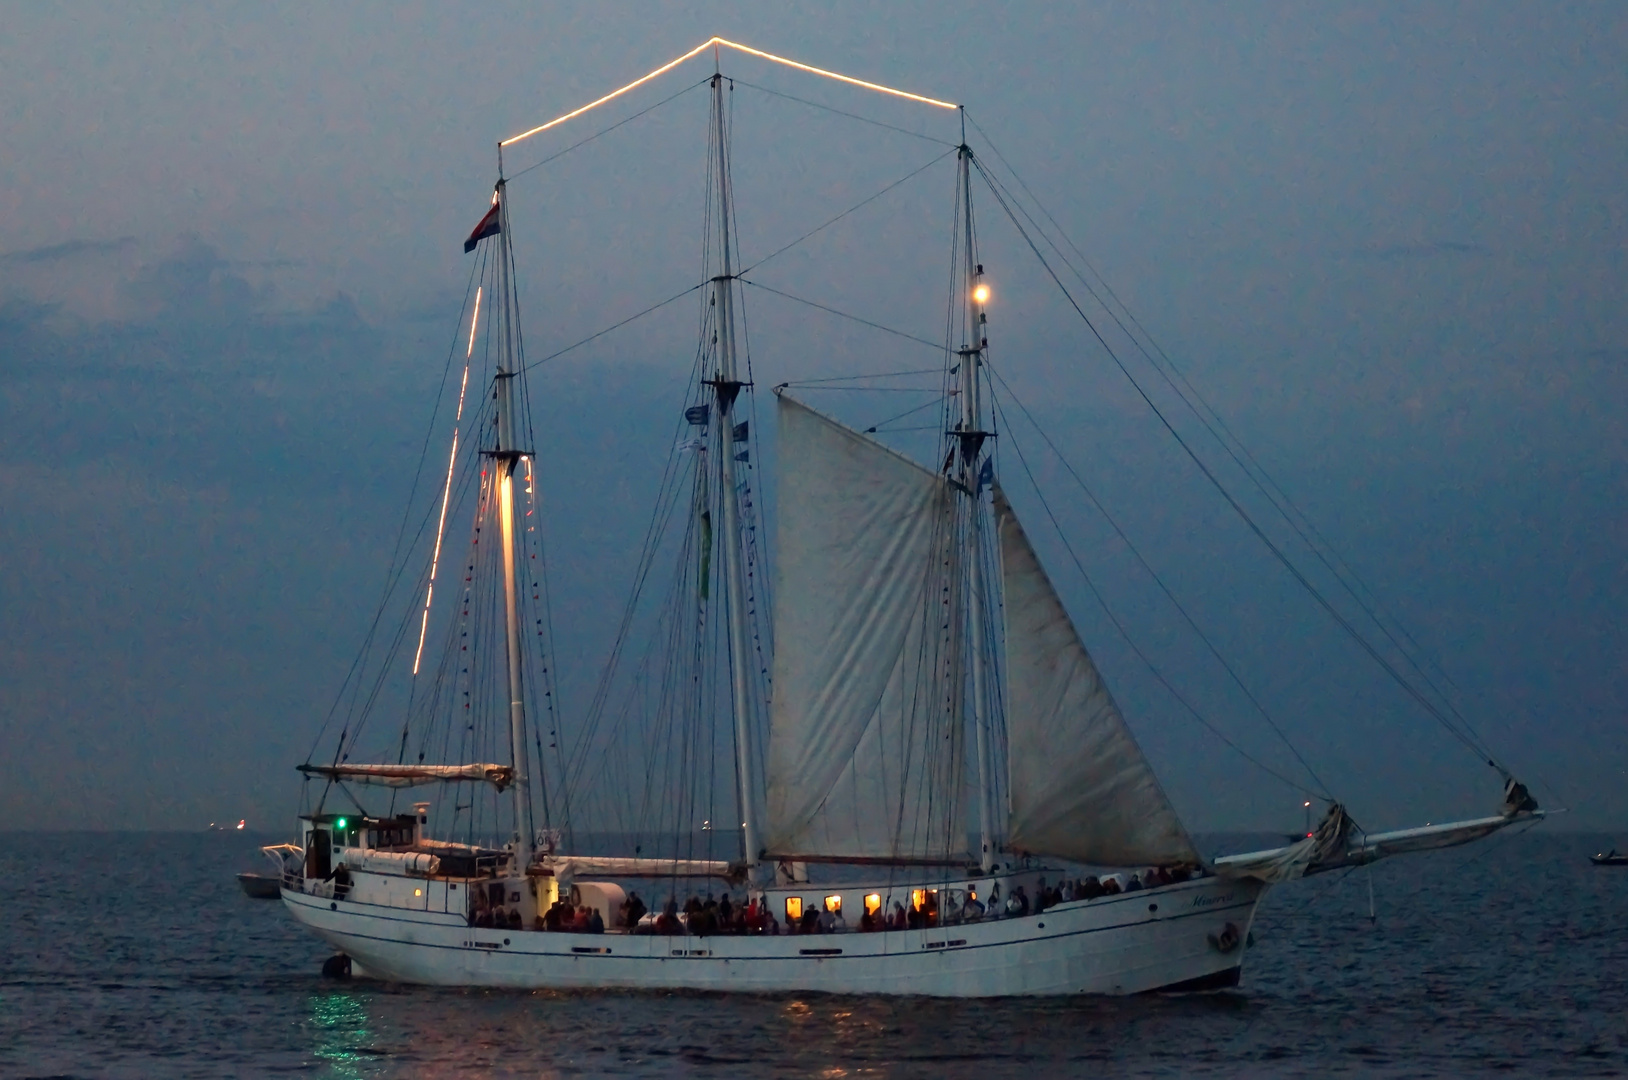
{"x":714,"y":916}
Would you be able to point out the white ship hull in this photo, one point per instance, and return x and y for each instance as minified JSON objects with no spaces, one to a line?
{"x":1189,"y":936}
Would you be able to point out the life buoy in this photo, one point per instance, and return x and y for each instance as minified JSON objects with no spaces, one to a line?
{"x":1226,"y":941}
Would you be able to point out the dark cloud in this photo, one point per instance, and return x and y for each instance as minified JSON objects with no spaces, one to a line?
{"x":69,"y":249}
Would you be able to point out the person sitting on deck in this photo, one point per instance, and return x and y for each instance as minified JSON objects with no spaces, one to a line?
{"x":994,"y":909}
{"x":516,"y":922}
{"x":1132,"y":883}
{"x":596,"y":922}
{"x":972,"y":910}
{"x":667,"y":921}
{"x":726,"y":912}
{"x":811,"y":921}
{"x":1110,"y":886}
{"x":1089,"y":889}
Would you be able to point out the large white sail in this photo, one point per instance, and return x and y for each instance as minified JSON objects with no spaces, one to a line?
{"x":865,"y":748}
{"x":1080,"y":787}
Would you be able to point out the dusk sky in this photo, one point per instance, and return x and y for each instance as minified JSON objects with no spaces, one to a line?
{"x":1388,"y":242}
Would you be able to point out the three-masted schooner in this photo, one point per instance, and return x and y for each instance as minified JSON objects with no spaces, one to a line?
{"x":936,"y":728}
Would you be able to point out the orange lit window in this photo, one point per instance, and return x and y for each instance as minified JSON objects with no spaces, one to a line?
{"x":918,"y":897}
{"x":794,"y":908}
{"x":873,"y":903}
{"x":833,"y":904}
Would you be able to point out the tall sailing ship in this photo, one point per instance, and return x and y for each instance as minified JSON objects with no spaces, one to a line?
{"x":948,"y":800}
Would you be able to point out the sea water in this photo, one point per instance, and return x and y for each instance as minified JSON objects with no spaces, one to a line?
{"x":136,"y":955}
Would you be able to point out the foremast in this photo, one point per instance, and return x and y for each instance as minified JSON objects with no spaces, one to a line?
{"x":970,"y":437}
{"x":727,"y":385}
{"x":505,"y":455}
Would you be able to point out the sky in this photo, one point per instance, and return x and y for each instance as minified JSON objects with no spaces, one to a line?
{"x":1385,"y":241}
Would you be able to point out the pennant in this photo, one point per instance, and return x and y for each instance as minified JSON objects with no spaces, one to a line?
{"x":490,"y":225}
{"x":986,"y":475}
{"x":740,"y":431}
{"x":697,"y":415}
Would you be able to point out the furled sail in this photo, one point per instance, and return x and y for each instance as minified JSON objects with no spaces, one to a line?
{"x":1080,"y":787}
{"x":403,"y":776}
{"x":1337,"y":843}
{"x":865,"y":748}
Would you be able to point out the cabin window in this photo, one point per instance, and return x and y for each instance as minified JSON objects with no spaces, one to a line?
{"x":873,"y":903}
{"x":918,"y":897}
{"x":833,"y":904}
{"x":794,"y":908}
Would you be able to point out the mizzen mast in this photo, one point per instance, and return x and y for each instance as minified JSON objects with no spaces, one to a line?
{"x":726,"y":385}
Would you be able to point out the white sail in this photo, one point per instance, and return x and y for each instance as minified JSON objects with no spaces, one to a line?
{"x":865,"y":747}
{"x":1080,"y":787}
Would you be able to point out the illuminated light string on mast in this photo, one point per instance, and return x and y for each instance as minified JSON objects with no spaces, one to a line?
{"x":748,"y":50}
{"x":446,"y":490}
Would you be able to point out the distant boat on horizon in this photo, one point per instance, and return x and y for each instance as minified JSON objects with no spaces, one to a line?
{"x":937,"y":732}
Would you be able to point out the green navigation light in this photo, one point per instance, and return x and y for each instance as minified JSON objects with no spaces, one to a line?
{"x":340,"y":824}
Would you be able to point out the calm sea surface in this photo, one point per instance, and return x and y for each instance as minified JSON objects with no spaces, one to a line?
{"x":136,"y":955}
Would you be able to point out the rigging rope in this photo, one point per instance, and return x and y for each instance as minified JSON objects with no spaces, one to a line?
{"x":849,"y":115}
{"x":934,"y":345}
{"x":1137,"y":649}
{"x":1363,"y":595}
{"x":1158,"y":580}
{"x":606,"y":131}
{"x":614,"y":326}
{"x":857,"y":206}
{"x":1464,"y":735}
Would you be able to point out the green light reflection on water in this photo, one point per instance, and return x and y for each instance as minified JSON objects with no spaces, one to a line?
{"x":339,"y":1024}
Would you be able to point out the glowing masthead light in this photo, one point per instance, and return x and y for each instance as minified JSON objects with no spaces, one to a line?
{"x":981,"y":293}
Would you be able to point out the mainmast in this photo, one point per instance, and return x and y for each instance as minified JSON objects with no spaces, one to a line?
{"x":505,"y":456}
{"x":726,"y":385}
{"x":970,"y":435}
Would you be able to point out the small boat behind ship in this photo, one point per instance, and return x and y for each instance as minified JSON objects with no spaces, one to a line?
{"x":1609,"y":858}
{"x":260,"y":886}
